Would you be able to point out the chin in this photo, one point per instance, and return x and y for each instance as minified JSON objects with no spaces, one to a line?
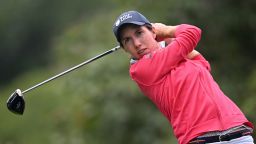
{"x":139,"y":57}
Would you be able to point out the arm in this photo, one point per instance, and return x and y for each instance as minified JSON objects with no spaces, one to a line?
{"x":191,"y":55}
{"x":167,"y":33}
{"x":163,"y":31}
{"x":149,"y":70}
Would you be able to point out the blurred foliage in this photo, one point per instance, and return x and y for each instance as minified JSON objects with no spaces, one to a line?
{"x":99,"y":104}
{"x":28,"y":27}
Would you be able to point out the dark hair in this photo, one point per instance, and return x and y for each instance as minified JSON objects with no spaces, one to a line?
{"x":149,"y":26}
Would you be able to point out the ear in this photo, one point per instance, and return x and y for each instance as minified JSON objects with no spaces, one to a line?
{"x":154,"y":32}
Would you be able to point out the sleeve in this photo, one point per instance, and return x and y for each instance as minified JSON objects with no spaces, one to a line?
{"x":152,"y":68}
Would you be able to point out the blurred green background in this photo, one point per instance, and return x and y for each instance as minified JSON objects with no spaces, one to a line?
{"x":99,"y":104}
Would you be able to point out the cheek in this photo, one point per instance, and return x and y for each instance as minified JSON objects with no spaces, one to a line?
{"x":151,"y":36}
{"x":129,"y":50}
{"x":150,"y":40}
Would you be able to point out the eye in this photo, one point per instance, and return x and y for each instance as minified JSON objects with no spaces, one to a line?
{"x":139,"y":32}
{"x":126,"y":40}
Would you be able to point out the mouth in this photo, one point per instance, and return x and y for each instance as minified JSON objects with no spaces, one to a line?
{"x":142,"y":51}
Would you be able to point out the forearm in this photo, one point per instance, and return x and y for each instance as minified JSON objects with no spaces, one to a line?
{"x":187,"y":37}
{"x":169,"y":32}
{"x":163,"y":31}
{"x":191,"y":55}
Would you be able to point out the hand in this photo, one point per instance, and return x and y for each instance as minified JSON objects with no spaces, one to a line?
{"x":193,"y":54}
{"x":163,"y":31}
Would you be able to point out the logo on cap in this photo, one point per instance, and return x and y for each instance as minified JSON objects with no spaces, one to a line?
{"x":122,"y":18}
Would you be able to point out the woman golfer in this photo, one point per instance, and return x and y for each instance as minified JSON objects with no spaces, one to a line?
{"x":177,"y":79}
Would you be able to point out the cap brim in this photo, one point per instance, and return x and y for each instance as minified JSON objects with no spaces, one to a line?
{"x":130,"y":22}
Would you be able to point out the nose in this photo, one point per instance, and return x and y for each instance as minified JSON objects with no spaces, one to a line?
{"x":136,"y":42}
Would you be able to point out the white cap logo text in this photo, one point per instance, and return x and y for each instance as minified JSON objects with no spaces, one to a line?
{"x":122,"y":18}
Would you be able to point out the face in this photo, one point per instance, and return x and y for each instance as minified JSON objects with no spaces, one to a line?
{"x":138,"y":40}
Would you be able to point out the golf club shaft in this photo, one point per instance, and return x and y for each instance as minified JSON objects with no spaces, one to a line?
{"x":73,"y":68}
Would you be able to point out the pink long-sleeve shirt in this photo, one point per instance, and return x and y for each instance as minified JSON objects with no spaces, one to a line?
{"x":184,"y":90}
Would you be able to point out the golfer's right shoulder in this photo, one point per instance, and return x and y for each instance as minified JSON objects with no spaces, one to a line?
{"x":137,"y":69}
{"x":145,"y":72}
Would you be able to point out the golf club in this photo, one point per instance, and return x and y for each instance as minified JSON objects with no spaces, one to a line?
{"x":16,"y":102}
